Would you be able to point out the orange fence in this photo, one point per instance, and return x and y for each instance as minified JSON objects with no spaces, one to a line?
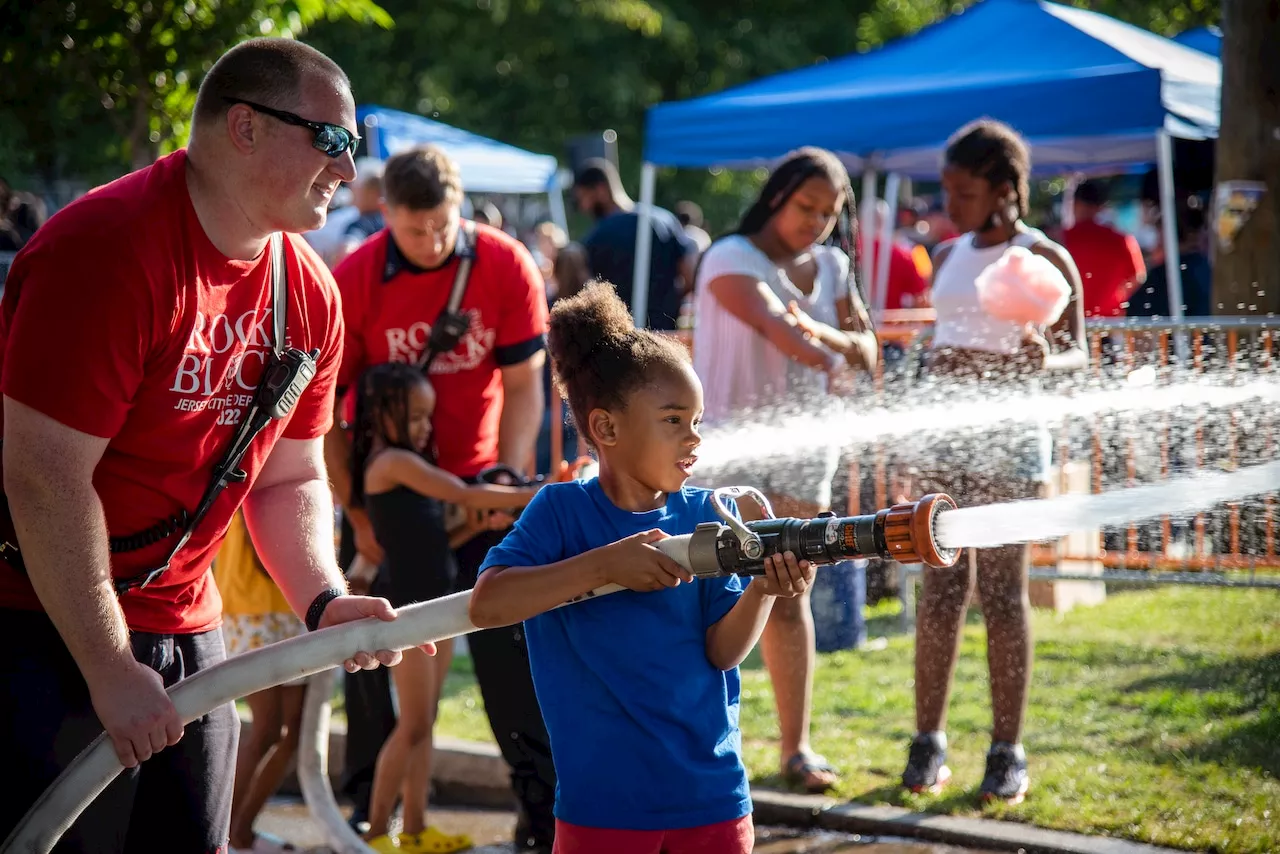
{"x":1237,"y":348}
{"x":1236,"y":536}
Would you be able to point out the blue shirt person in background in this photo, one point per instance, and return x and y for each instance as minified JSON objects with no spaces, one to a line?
{"x":639,"y":688}
{"x":611,"y":245}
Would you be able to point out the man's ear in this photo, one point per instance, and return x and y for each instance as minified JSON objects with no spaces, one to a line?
{"x":602,"y":428}
{"x":240,"y":128}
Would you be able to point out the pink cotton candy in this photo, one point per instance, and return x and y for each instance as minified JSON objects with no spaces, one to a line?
{"x":1023,"y":287}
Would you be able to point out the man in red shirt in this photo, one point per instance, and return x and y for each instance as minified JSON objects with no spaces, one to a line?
{"x":489,"y":404}
{"x":1109,"y":261}
{"x":134,"y":330}
{"x":908,"y":277}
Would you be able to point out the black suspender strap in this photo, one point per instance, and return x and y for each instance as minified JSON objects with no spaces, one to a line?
{"x":451,"y":325}
{"x":466,"y":252}
{"x":284,"y":378}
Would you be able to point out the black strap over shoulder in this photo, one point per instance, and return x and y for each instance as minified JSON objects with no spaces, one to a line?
{"x":285,"y":376}
{"x":452,"y":324}
{"x":283,"y":380}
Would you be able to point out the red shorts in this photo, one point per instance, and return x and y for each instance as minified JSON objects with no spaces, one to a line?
{"x":726,"y":837}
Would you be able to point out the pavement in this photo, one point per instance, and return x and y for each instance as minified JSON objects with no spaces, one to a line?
{"x":288,"y":819}
{"x":471,"y":787}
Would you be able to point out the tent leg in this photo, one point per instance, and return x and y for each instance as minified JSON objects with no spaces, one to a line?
{"x":1069,"y":200}
{"x":372,"y":139}
{"x":644,"y":245}
{"x":1169,"y":223}
{"x":867,"y":216}
{"x":555,"y":201}
{"x":891,"y":184}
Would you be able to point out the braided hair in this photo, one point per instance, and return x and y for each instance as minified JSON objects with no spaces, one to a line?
{"x":994,"y":151}
{"x":598,"y":356}
{"x":383,"y":393}
{"x":799,"y":166}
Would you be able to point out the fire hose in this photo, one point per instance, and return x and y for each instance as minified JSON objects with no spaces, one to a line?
{"x":905,"y":533}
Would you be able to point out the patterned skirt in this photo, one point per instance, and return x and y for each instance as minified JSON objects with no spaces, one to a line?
{"x":242,"y":633}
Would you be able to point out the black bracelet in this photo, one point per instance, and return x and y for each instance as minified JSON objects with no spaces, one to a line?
{"x":316,"y":611}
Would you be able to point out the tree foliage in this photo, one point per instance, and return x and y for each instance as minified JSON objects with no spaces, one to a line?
{"x":536,"y":73}
{"x":99,"y":84}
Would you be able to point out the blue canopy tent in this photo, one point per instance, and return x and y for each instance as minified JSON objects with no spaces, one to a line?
{"x":1085,"y":90}
{"x":487,"y":166}
{"x":1204,"y":39}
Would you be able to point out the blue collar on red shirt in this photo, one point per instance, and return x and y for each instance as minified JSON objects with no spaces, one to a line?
{"x":396,"y":262}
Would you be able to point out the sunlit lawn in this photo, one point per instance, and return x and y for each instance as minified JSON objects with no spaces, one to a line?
{"x":1153,"y":717}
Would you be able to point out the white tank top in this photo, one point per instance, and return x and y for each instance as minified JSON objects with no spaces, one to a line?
{"x":738,"y":367}
{"x":961,"y":322}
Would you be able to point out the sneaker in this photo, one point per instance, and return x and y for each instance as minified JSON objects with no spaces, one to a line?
{"x":926,"y":770}
{"x":434,"y":841}
{"x":384,"y":844}
{"x":1006,"y":778}
{"x":359,"y":821}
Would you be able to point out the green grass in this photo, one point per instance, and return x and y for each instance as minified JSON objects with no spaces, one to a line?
{"x":1153,"y":717}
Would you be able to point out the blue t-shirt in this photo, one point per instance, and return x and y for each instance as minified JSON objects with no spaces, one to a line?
{"x":644,"y":729}
{"x":611,"y":255}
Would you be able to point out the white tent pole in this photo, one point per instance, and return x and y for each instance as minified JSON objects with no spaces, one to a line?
{"x":371,"y":134}
{"x":867,"y":217}
{"x":555,"y":201}
{"x":891,"y":184}
{"x":1069,"y":200}
{"x":644,"y":244}
{"x":1169,"y":222}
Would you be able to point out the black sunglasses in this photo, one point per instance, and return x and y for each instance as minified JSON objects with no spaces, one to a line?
{"x":333,"y":140}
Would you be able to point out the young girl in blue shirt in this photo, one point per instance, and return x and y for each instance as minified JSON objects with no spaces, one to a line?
{"x":639,"y":688}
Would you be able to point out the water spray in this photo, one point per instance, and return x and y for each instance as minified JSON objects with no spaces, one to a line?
{"x":904,"y":532}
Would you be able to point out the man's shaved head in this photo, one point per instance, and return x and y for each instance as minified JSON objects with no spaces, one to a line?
{"x":268,"y":71}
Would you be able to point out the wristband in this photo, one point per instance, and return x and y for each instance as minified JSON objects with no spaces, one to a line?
{"x":316,"y":611}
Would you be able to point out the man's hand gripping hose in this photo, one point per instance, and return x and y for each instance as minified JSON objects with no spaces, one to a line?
{"x":904,"y":532}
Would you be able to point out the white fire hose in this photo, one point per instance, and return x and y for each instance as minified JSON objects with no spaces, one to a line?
{"x":904,"y":532}
{"x":61,"y":804}
{"x":313,"y":767}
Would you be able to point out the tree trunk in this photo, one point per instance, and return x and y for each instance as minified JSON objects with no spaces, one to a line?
{"x":1246,"y":279}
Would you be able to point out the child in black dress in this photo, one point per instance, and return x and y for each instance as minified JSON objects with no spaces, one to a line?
{"x":394,"y":480}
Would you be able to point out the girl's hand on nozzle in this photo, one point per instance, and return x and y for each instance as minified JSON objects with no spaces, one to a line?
{"x":637,"y":564}
{"x":784,"y":576}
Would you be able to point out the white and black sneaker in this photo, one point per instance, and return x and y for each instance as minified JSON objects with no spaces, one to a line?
{"x":926,"y":769}
{"x":1006,"y":778}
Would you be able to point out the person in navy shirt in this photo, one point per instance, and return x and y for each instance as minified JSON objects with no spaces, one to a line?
{"x":639,"y":689}
{"x":611,"y":245}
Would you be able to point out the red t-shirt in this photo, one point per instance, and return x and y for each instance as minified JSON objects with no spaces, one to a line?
{"x":121,"y":319}
{"x":389,"y":307}
{"x":908,"y":287}
{"x":1110,"y":264}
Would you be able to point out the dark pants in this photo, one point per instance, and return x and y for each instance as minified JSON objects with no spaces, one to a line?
{"x":370,"y":713}
{"x":181,"y":796}
{"x":501,"y":660}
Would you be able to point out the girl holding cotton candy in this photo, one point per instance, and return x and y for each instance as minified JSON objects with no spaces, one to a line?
{"x":1009,"y":310}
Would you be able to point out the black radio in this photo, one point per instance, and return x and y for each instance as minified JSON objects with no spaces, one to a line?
{"x":285,"y":379}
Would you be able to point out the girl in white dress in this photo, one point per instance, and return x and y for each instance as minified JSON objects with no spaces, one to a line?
{"x":775,"y":320}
